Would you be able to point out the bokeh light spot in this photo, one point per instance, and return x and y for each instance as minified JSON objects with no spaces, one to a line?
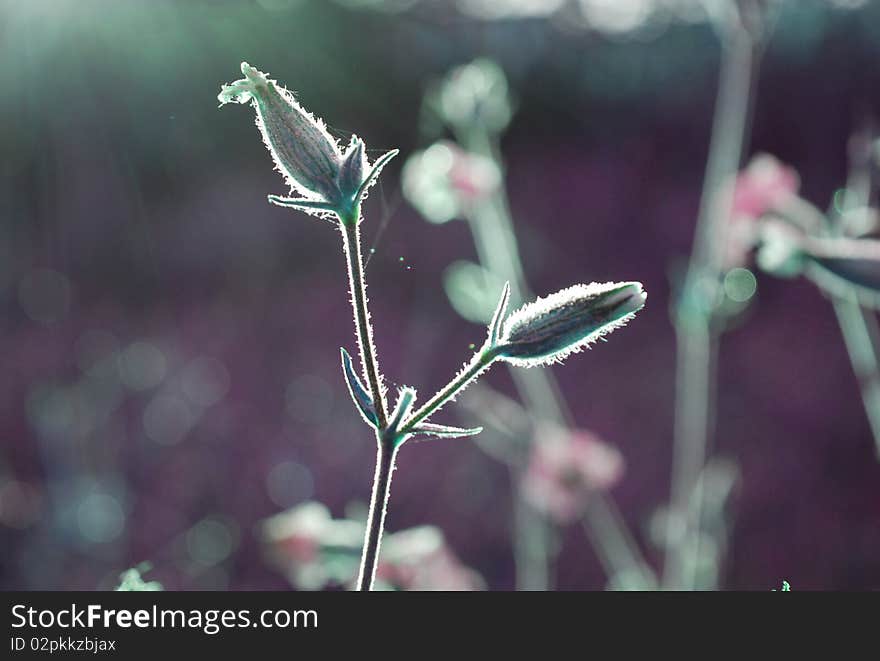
{"x":142,"y":366}
{"x":167,"y":419}
{"x":100,"y":518}
{"x":211,"y":541}
{"x":740,"y":284}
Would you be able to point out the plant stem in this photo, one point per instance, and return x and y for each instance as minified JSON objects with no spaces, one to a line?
{"x":860,"y":335}
{"x":385,"y":455}
{"x":495,"y":240}
{"x":859,"y":327}
{"x":479,"y":363}
{"x":615,"y":547}
{"x":352,"y":244}
{"x":696,"y":338}
{"x":386,"y":447}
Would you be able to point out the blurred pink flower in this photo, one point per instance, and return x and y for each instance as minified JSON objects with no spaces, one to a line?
{"x":316,"y":551}
{"x":444,"y":181}
{"x":419,"y":559}
{"x":764,"y":185}
{"x":566,"y":467}
{"x":298,"y":541}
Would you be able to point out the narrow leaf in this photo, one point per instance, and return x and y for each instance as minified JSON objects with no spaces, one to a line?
{"x":377,"y":168}
{"x":358,"y":393}
{"x":443,"y":431}
{"x":498,"y":317}
{"x":405,"y":400}
{"x":320,"y":210}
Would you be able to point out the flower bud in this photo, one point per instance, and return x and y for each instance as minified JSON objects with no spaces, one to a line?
{"x":551,"y":328}
{"x":781,"y":250}
{"x":304,"y":152}
{"x":351,"y":173}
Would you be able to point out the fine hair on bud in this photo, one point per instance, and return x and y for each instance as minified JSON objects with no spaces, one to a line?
{"x":549,"y":329}
{"x":303,"y":151}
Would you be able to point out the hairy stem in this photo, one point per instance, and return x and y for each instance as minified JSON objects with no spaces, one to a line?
{"x":387,"y":448}
{"x":479,"y":363}
{"x":385,"y":455}
{"x":695,"y":335}
{"x":357,"y":285}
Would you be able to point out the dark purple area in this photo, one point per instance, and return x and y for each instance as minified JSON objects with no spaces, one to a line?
{"x":122,"y":175}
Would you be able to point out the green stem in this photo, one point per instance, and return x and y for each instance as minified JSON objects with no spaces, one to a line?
{"x":859,"y":328}
{"x":352,"y":243}
{"x":614,"y":546}
{"x":479,"y":363}
{"x":860,"y":335}
{"x":385,"y":456}
{"x":387,"y":448}
{"x":495,"y":240}
{"x":696,"y":338}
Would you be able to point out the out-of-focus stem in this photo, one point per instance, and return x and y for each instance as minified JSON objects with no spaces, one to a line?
{"x":696,"y":338}
{"x":859,"y":327}
{"x":614,"y":546}
{"x":498,"y":251}
{"x":861,"y":336}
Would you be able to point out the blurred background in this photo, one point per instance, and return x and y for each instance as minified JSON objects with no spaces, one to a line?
{"x":170,"y":341}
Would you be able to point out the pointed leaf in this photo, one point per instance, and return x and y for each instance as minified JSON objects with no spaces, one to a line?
{"x":320,"y":210}
{"x":405,"y":400}
{"x":377,"y":168}
{"x":498,"y":317}
{"x":351,"y":173}
{"x":443,"y":431}
{"x":358,"y":393}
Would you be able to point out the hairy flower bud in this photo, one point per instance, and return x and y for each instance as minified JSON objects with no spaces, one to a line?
{"x":351,"y":173}
{"x":304,"y":152}
{"x":331,"y":183}
{"x":551,"y":328}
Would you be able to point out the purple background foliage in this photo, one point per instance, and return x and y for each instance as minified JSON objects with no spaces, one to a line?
{"x":119,"y":172}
